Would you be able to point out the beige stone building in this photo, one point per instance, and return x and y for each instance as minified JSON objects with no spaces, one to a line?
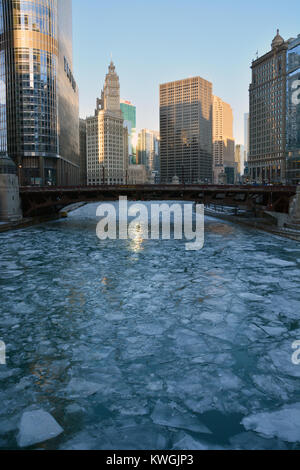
{"x":107,"y":139}
{"x":267,"y":119}
{"x":223,"y":140}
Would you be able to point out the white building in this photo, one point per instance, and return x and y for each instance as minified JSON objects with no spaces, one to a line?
{"x":107,"y":154}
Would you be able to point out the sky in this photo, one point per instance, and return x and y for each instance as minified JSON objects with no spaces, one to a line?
{"x":157,"y":41}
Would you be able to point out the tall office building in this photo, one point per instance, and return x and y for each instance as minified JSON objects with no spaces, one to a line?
{"x":129,"y":116}
{"x":223,"y":140}
{"x":39,"y":126}
{"x":107,"y":139}
{"x":82,"y":146}
{"x":186,"y":130}
{"x":246,"y":136}
{"x":148,"y":150}
{"x":293,"y":111}
{"x":267,"y":118}
{"x":239,"y":162}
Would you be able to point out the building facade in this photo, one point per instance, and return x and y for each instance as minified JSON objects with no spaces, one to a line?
{"x":239,"y":162}
{"x":137,"y":174}
{"x":107,"y":139}
{"x":293,"y":112}
{"x":129,"y":116}
{"x":267,"y":117}
{"x":148,"y":150}
{"x":246,"y":136}
{"x":223,"y":141}
{"x":82,"y":148}
{"x":186,"y":131}
{"x":38,"y":93}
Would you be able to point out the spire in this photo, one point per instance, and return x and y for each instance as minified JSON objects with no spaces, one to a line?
{"x":111,"y":67}
{"x":277,"y":41}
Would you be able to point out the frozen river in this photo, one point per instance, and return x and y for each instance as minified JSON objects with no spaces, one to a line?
{"x":142,"y":345}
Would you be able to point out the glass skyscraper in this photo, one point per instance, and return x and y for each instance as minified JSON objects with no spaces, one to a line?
{"x":293,"y":111}
{"x":39,"y":125}
{"x":129,"y":116}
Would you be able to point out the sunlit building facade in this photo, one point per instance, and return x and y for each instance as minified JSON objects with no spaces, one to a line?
{"x":39,"y":122}
{"x":223,"y":140}
{"x":186,"y":131}
{"x":267,"y":118}
{"x":148,"y":149}
{"x":293,"y":111}
{"x":107,"y":138}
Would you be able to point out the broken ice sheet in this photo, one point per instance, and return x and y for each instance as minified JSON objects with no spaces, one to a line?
{"x":82,"y":388}
{"x":37,"y":426}
{"x":283,"y":423}
{"x":168,"y":415}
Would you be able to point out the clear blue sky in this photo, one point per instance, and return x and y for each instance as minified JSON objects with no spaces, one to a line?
{"x":156,"y":41}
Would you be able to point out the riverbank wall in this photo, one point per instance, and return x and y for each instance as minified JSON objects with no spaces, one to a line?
{"x":265,"y":223}
{"x":29,"y":222}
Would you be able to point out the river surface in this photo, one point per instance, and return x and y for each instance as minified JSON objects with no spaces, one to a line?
{"x":142,"y":345}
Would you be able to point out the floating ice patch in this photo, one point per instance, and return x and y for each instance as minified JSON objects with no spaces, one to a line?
{"x":283,"y":423}
{"x":186,"y":442}
{"x":280,"y":262}
{"x":37,"y":426}
{"x":251,"y":297}
{"x":166,"y":415}
{"x":82,"y":388}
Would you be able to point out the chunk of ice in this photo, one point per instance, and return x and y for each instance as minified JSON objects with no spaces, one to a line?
{"x":37,"y":426}
{"x":280,"y":262}
{"x":283,"y":423}
{"x":166,"y":415}
{"x":82,"y":388}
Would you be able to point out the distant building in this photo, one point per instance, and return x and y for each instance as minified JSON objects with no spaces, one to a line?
{"x":129,"y":116}
{"x":107,"y":139}
{"x":83,"y":156}
{"x":267,"y":118}
{"x":293,"y":112}
{"x":137,"y":174}
{"x":239,"y":162}
{"x":38,"y":95}
{"x":186,"y":131}
{"x":246,"y":137}
{"x":148,"y":150}
{"x":223,"y":141}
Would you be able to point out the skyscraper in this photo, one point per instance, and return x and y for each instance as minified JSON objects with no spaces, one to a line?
{"x":107,"y":139}
{"x":239,"y":161}
{"x":82,"y":145}
{"x":246,"y":136}
{"x":38,"y":93}
{"x":223,"y":141}
{"x":267,"y":119}
{"x":293,"y":111}
{"x":186,"y":130}
{"x":148,"y":150}
{"x":129,"y":116}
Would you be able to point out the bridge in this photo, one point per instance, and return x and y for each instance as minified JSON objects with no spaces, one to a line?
{"x":44,"y":201}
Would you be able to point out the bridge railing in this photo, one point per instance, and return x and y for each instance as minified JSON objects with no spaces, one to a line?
{"x":153,"y":187}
